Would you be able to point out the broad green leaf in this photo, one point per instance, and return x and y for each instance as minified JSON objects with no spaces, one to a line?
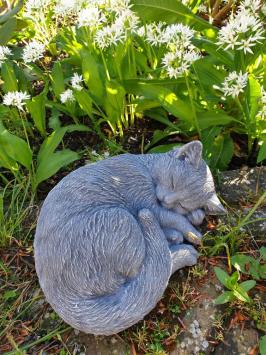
{"x":262,"y":271}
{"x":51,"y":143}
{"x":167,"y":98}
{"x":7,"y":30}
{"x":49,"y":166}
{"x":57,"y":79}
{"x":247,"y":285}
{"x":208,"y":75}
{"x":233,"y":279}
{"x":241,"y":294}
{"x":263,"y":345}
{"x":213,"y":118}
{"x":170,"y":11}
{"x":262,"y":152}
{"x":36,"y":108}
{"x":247,"y":265}
{"x":225,"y":297}
{"x":254,"y":96}
{"x":158,"y":135}
{"x":6,"y":161}
{"x":114,"y":101}
{"x":9,"y":77}
{"x":84,"y":100}
{"x":92,"y":76}
{"x":14,"y":147}
{"x":222,"y":276}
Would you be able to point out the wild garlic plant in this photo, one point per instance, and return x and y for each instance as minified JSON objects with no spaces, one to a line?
{"x":115,"y":61}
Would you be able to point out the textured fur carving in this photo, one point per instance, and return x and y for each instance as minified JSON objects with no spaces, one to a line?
{"x":110,"y":235}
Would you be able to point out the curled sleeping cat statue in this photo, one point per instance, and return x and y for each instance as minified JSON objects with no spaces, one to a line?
{"x":111,"y":233}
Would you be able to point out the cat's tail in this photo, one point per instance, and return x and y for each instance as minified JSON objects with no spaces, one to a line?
{"x":136,"y":297}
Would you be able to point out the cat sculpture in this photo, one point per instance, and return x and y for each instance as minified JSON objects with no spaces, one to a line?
{"x":110,"y":234}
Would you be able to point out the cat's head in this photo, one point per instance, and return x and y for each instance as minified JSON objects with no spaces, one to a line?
{"x":184,"y":181}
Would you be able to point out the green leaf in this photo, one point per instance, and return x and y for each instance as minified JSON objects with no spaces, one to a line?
{"x":213,"y":118}
{"x":9,"y":77}
{"x":262,"y":271}
{"x":241,"y":294}
{"x":167,"y":98}
{"x":91,"y":74}
{"x":7,"y":30}
{"x":225,"y":297}
{"x":14,"y":147}
{"x":57,"y":79}
{"x":51,"y":143}
{"x":254,"y":96}
{"x":171,"y":11}
{"x":222,"y":276}
{"x":247,"y":265}
{"x":84,"y":100}
{"x":263,"y":345}
{"x":36,"y":108}
{"x":262,"y":152}
{"x":114,"y":101}
{"x":49,"y":167}
{"x":7,"y":162}
{"x":247,"y":285}
{"x":9,"y":294}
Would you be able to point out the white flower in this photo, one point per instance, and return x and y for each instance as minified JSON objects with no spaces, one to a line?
{"x":127,"y":19}
{"x":67,"y":96}
{"x":252,"y":5}
{"x":243,"y":31}
{"x":234,"y":84}
{"x":117,"y":5}
{"x":154,"y":33}
{"x":178,"y":34}
{"x":15,"y":98}
{"x":90,"y":17}
{"x":36,"y":5}
{"x":76,"y":81}
{"x":177,"y":63}
{"x":33,"y":51}
{"x":109,"y":35}
{"x":106,"y":154}
{"x":68,"y":7}
{"x":4,"y":53}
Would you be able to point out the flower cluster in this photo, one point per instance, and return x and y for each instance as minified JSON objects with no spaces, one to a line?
{"x":76,"y":82}
{"x":234,"y":84}
{"x":182,"y":53}
{"x":67,"y":96}
{"x":4,"y":53}
{"x":244,"y":29}
{"x":33,"y":51}
{"x":16,"y":98}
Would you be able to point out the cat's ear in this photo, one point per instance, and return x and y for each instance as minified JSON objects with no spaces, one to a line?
{"x":192,"y":152}
{"x":214,"y":206}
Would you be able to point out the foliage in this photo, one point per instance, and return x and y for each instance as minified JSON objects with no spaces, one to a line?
{"x":98,"y":64}
{"x":237,"y":291}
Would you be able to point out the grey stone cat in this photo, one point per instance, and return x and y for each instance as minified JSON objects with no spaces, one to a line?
{"x":110,"y":235}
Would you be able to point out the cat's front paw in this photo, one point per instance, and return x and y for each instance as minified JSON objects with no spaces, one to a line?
{"x":173,"y":235}
{"x":196,"y":217}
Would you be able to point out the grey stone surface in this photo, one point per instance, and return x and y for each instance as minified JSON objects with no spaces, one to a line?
{"x":238,"y":342}
{"x":199,"y":322}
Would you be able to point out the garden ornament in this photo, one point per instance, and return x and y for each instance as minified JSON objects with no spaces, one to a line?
{"x":111,"y":233}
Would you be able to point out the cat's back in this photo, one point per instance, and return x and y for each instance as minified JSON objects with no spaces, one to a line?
{"x":106,"y":183}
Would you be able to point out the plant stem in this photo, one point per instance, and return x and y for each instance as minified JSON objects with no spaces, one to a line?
{"x":190,"y":94}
